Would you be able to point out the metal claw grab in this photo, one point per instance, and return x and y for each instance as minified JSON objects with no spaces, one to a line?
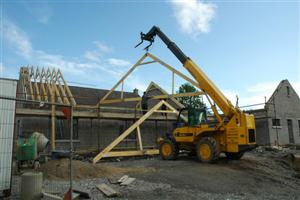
{"x":144,"y":37}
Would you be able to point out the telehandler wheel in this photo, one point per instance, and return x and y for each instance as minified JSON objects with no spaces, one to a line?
{"x":207,"y":150}
{"x":234,"y":156}
{"x":168,"y":150}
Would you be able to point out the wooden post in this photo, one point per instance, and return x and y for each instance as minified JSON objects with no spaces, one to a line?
{"x":53,"y":120}
{"x":53,"y":127}
{"x":71,"y":150}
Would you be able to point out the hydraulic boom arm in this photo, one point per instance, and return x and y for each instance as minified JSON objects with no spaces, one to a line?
{"x":204,"y":82}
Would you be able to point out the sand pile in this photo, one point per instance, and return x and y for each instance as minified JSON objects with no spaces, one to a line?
{"x":59,"y":170}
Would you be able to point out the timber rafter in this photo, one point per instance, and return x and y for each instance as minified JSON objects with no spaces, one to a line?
{"x":140,"y":62}
{"x":46,"y":85}
{"x":107,"y":152}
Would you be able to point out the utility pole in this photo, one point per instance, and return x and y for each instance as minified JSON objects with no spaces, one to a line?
{"x":276,"y":127}
{"x":71,"y":150}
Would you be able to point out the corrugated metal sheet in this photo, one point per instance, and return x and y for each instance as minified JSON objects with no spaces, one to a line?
{"x":7,"y":116}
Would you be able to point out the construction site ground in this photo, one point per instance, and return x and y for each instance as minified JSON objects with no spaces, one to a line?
{"x":258,"y":175}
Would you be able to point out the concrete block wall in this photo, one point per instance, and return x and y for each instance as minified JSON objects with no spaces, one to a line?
{"x":262,"y":133}
{"x":100,"y":133}
{"x":26,"y":125}
{"x":95,"y":133}
{"x":287,"y":106}
{"x":261,"y":123}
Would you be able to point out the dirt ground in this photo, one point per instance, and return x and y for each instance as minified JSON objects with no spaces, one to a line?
{"x":258,"y":175}
{"x":59,"y":170}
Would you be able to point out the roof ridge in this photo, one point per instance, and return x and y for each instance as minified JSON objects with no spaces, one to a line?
{"x":279,"y":87}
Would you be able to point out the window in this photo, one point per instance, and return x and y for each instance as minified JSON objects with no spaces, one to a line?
{"x":288,"y":90}
{"x":275,"y":122}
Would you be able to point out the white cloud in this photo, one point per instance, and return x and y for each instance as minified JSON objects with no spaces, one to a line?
{"x":118,"y":62}
{"x":194,"y":16}
{"x":257,"y":94}
{"x":92,"y":55}
{"x":95,"y":55}
{"x":78,"y":68}
{"x":70,"y":66}
{"x":135,"y":82}
{"x":263,"y":87}
{"x":231,"y":95}
{"x":1,"y":68}
{"x":246,"y":99}
{"x":103,"y":47}
{"x":17,"y":39}
{"x":296,"y":86}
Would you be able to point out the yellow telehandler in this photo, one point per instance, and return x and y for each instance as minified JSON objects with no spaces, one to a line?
{"x":231,"y":131}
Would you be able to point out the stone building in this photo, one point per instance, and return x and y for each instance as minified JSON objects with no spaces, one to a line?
{"x":279,"y":121}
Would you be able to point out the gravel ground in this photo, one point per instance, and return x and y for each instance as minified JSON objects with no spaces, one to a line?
{"x":258,"y":175}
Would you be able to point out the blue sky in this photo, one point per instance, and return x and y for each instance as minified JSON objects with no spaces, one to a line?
{"x":245,"y":47}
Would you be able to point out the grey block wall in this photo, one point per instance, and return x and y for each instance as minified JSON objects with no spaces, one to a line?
{"x":96,"y":133}
{"x":27,"y":125}
{"x":261,"y":123}
{"x":284,"y":105}
{"x":287,"y":106}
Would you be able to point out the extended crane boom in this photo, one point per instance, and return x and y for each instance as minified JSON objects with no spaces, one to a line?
{"x":204,"y":82}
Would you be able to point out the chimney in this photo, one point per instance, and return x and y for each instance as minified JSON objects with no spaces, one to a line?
{"x":136,"y":91}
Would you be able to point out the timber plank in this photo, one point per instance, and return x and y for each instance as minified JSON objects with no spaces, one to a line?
{"x":108,"y":191}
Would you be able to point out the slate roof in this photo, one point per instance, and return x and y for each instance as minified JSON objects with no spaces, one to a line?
{"x":91,"y":96}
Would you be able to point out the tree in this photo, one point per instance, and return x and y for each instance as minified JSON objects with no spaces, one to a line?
{"x":190,"y":102}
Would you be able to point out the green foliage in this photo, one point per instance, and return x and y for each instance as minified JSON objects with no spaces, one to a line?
{"x":190,"y":102}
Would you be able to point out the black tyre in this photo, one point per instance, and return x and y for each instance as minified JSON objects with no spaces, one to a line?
{"x":207,"y":150}
{"x":192,"y":153}
{"x":234,"y":156}
{"x":168,"y":150}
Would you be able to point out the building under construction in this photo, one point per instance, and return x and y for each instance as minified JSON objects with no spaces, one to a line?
{"x":115,"y":123}
{"x":99,"y":116}
{"x":96,"y":125}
